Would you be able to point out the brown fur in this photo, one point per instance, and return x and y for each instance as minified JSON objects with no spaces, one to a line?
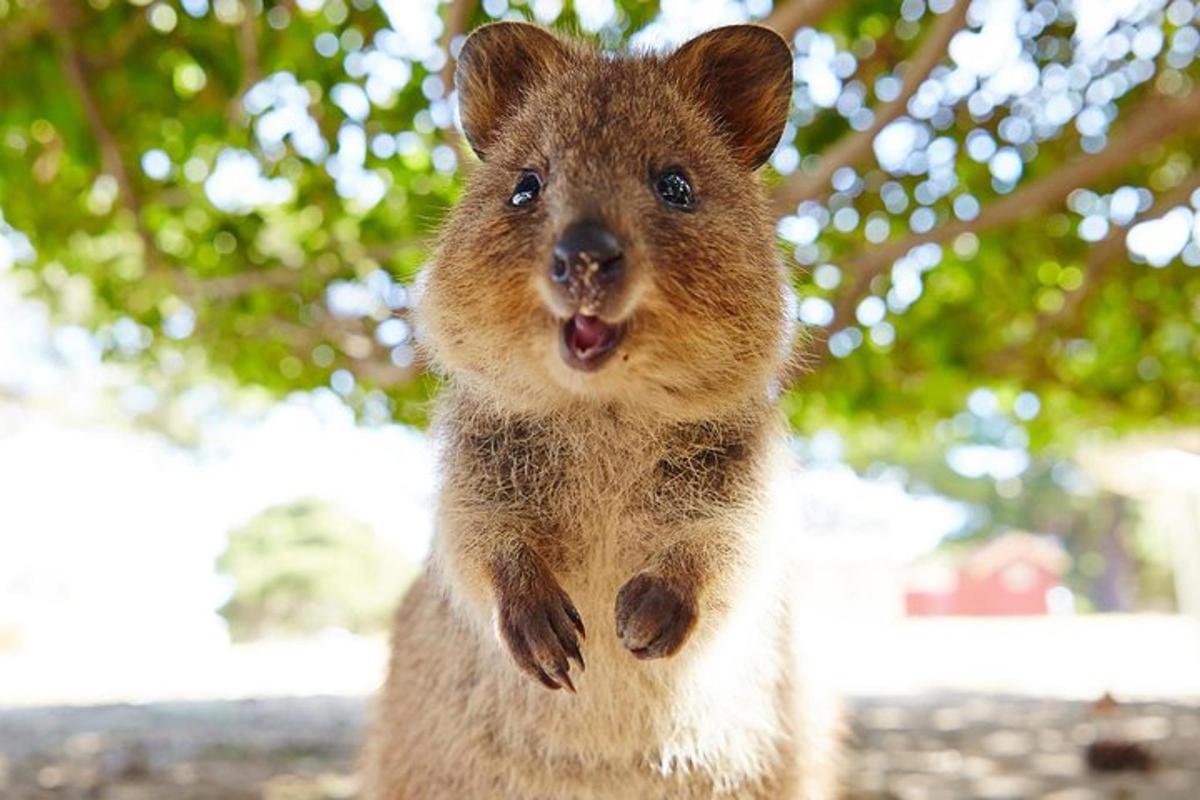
{"x":615,"y":518}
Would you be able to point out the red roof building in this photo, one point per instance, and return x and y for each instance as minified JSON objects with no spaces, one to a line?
{"x":1013,"y":574}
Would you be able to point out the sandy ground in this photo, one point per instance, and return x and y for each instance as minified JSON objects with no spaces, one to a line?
{"x":928,"y":747}
{"x":938,"y":709}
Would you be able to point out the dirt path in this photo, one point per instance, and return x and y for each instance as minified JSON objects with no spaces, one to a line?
{"x":303,"y":749}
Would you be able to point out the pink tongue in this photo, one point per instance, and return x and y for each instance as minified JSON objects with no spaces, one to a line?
{"x":589,"y":333}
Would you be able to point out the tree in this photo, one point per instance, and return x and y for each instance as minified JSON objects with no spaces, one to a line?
{"x":300,"y":568}
{"x":975,"y":194}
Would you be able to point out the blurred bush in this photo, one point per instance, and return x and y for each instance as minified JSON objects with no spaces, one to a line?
{"x":302,"y":568}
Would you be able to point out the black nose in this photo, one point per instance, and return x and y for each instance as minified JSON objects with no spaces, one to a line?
{"x":587,"y":251}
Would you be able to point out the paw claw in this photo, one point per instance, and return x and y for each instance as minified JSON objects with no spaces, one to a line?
{"x":547,"y":681}
{"x":540,"y":633}
{"x":574,"y":654}
{"x":564,"y":680}
{"x":575,"y":619}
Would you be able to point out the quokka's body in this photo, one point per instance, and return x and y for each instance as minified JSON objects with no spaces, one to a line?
{"x":609,"y":312}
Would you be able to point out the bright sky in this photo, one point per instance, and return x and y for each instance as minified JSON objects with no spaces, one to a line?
{"x":107,"y":531}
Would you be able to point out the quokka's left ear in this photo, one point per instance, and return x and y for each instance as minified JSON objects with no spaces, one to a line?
{"x":498,"y":66}
{"x":742,"y":76}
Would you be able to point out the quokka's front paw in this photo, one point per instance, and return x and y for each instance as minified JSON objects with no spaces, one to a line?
{"x":654,"y":617}
{"x":542,"y":629}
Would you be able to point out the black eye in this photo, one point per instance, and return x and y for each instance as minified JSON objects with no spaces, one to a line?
{"x":527,"y":188}
{"x":675,"y":189}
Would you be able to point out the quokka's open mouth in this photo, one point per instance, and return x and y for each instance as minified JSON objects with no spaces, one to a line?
{"x":587,"y":341}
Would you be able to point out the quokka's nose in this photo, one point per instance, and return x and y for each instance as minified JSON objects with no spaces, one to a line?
{"x":587,"y":253}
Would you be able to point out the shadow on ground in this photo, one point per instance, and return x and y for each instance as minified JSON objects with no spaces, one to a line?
{"x":275,"y":749}
{"x":943,"y":746}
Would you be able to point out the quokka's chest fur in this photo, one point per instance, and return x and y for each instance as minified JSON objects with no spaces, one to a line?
{"x":603,"y":480}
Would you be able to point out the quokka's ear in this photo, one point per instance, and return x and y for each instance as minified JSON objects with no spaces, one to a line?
{"x":498,"y":64}
{"x":742,"y":75}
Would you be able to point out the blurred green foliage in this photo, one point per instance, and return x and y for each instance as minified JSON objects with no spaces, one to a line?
{"x":246,"y":188}
{"x":302,"y":568}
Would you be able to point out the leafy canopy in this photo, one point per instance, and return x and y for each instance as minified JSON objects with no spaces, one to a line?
{"x":985,"y":195}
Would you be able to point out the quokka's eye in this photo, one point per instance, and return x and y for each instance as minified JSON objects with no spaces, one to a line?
{"x":673,"y":187}
{"x":527,"y":188}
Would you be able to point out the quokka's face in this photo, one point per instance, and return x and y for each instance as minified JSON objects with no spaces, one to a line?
{"x":613,"y":245}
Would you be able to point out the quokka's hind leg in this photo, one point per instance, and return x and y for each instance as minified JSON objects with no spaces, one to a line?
{"x":414,"y":742}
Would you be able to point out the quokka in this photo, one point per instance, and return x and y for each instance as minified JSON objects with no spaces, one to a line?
{"x":606,"y":610}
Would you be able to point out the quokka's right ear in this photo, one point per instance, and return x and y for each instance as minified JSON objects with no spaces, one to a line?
{"x":497,"y":66}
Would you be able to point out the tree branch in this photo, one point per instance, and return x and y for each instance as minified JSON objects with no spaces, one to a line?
{"x":458,"y":17}
{"x":247,"y":45}
{"x":227,"y":287}
{"x":1154,"y":120}
{"x":853,"y":148}
{"x":789,"y":16}
{"x":72,"y":66}
{"x":111,"y":161}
